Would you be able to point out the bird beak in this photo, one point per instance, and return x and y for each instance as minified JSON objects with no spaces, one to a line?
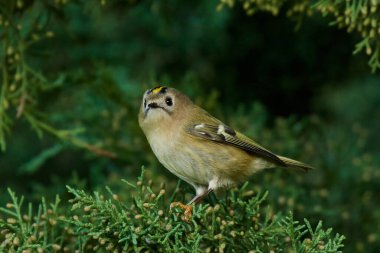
{"x":148,"y":107}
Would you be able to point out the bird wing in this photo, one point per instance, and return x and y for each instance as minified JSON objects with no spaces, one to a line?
{"x":219,"y":132}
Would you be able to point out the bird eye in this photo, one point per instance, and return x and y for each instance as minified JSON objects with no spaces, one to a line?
{"x":168,"y":101}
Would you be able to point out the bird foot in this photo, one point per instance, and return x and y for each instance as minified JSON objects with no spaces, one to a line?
{"x":188,"y":210}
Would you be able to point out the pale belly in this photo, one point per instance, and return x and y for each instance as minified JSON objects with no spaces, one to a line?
{"x":188,"y":167}
{"x":184,"y":161}
{"x":200,"y":162}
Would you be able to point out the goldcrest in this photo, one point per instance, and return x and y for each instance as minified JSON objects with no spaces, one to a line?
{"x":197,"y":147}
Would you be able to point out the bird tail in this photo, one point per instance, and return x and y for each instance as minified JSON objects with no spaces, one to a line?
{"x":295,"y":164}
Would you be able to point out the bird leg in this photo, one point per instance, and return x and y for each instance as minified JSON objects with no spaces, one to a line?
{"x":188,"y":208}
{"x":198,"y":198}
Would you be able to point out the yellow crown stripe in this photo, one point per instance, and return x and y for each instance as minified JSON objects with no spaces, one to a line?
{"x":158,"y":89}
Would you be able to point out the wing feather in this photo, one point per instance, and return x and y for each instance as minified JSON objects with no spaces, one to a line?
{"x":222,"y":133}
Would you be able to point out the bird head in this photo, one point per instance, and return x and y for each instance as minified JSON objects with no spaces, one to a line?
{"x":162,"y":106}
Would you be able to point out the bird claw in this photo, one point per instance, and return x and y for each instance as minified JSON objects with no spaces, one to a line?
{"x":188,"y":210}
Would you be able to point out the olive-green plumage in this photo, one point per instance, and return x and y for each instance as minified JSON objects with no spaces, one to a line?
{"x":199,"y":148}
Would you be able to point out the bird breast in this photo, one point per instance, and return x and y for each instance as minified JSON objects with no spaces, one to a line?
{"x":180,"y":157}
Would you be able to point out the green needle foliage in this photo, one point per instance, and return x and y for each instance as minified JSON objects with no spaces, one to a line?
{"x":30,"y":230}
{"x":360,"y":16}
{"x":240,"y":222}
{"x":24,"y":27}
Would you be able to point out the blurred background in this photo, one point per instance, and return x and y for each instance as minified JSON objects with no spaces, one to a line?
{"x":299,"y":92}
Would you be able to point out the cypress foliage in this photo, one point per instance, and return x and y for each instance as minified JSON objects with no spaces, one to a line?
{"x":362,"y":17}
{"x":240,"y":222}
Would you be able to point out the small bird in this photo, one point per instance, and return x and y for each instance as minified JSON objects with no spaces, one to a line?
{"x":200,"y":149}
